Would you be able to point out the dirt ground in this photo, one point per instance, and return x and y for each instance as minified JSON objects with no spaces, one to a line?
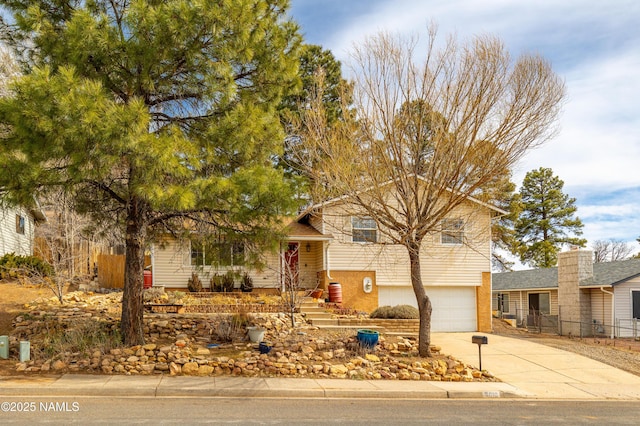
{"x":620,"y":353}
{"x":13,"y":296}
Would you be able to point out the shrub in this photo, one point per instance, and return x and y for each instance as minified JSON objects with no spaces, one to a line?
{"x":382,"y":312}
{"x":241,"y":319}
{"x":84,"y":337}
{"x":153,"y":295}
{"x":396,"y":312}
{"x":228,"y":329}
{"x":228,"y":282}
{"x":194,"y":284}
{"x":222,"y":283}
{"x":215,"y":283}
{"x":12,"y":266}
{"x":246,"y":285}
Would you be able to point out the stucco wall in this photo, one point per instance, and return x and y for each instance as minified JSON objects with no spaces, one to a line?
{"x":483,"y":304}
{"x":353,"y":295}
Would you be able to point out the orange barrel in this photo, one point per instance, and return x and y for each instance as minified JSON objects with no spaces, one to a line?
{"x":335,"y":292}
{"x":148,"y":279}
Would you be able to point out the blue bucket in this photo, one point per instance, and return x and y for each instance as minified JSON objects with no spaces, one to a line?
{"x":264,"y":348}
{"x":368,"y":338}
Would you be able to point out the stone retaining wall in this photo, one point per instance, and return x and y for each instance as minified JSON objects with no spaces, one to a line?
{"x":387,"y":325}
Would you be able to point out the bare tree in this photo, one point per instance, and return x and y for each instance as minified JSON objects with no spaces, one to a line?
{"x":611,"y":250}
{"x":424,"y":137}
{"x":58,"y":243}
{"x":291,"y":292}
{"x":8,"y":70}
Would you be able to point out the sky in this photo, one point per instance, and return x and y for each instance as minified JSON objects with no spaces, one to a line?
{"x":593,"y":45}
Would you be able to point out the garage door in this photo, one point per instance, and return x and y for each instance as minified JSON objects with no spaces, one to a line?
{"x":454,"y":308}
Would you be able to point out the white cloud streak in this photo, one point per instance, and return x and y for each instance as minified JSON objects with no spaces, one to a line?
{"x":593,"y":45}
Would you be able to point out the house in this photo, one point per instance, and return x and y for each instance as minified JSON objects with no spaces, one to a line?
{"x":583,"y":297}
{"x":329,"y":243}
{"x":17,"y":226}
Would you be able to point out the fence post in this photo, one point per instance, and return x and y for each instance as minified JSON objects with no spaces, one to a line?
{"x":560,"y":320}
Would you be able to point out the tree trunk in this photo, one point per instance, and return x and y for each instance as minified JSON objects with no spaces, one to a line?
{"x":131,"y":325}
{"x":424,"y":303}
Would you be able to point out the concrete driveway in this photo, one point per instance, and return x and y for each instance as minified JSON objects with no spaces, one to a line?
{"x":540,"y":371}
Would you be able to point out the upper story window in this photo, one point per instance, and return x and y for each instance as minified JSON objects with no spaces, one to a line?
{"x":218,"y":253}
{"x":20,"y":224}
{"x":364,"y":230}
{"x":452,"y":231}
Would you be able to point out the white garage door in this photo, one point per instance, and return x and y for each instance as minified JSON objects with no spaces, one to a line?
{"x":454,"y":308}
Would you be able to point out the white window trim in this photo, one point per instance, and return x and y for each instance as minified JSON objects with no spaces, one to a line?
{"x":353,"y":229}
{"x":539,"y":292}
{"x":211,"y":265}
{"x":445,"y":231}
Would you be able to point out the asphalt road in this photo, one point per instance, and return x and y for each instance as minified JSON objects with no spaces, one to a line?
{"x":241,"y":411}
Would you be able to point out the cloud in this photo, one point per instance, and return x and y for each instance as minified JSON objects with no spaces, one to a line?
{"x":592,"y":44}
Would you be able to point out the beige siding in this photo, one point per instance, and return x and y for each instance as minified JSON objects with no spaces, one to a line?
{"x":10,"y":240}
{"x":601,"y":308}
{"x":442,"y":265}
{"x":316,"y":223}
{"x":171,"y":267}
{"x":519,"y":302}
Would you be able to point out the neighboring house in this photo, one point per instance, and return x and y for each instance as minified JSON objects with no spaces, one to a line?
{"x":17,"y":225}
{"x":586,"y":298}
{"x":328,"y":243}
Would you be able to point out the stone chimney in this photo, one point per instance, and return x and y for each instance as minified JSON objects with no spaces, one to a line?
{"x":574,"y":304}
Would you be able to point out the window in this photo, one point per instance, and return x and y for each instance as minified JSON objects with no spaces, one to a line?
{"x":20,"y":224}
{"x":198,"y":254}
{"x":364,"y":230}
{"x":452,"y":231}
{"x":635,"y":300}
{"x":539,"y":303}
{"x":503,"y":303}
{"x":218,"y":253}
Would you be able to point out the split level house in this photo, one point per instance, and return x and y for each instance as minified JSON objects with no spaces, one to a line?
{"x":17,"y":229}
{"x":329,"y":243}
{"x":576,"y":298}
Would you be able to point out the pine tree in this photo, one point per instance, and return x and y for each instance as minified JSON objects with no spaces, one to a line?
{"x":153,"y":115}
{"x":546,"y":221}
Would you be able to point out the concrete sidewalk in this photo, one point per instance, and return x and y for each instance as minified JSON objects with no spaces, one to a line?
{"x":185,"y":386}
{"x":527,"y":369}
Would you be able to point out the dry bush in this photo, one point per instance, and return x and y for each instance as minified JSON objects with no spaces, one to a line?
{"x":396,"y":312}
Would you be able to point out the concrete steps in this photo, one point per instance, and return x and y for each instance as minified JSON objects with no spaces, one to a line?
{"x":319,"y":317}
{"x":315,"y":314}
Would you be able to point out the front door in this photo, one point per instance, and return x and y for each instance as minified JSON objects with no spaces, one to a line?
{"x":291,"y":271}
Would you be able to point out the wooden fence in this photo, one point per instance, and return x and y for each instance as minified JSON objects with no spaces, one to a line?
{"x":111,"y":270}
{"x":80,"y":259}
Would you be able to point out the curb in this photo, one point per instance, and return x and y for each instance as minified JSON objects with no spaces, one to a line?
{"x":187,"y":386}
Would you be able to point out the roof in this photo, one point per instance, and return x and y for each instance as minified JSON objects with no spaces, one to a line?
{"x":612,"y":273}
{"x":525,"y":280}
{"x":318,"y":206}
{"x":302,"y":231}
{"x":605,"y":274}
